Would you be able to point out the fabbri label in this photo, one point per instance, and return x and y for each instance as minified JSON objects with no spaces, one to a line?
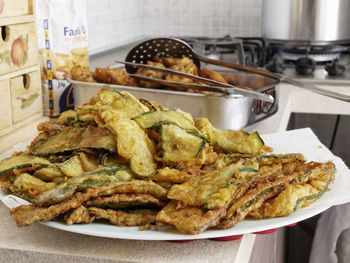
{"x":73,"y":32}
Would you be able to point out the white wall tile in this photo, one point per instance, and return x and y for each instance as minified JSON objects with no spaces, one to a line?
{"x":116,"y":22}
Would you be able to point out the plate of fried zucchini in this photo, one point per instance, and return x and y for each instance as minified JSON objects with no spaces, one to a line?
{"x":126,"y":168}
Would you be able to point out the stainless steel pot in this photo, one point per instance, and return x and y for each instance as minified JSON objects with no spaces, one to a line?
{"x":231,"y":112}
{"x":315,"y":22}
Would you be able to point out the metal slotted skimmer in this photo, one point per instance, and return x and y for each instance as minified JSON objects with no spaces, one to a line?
{"x":161,"y":47}
{"x":165,"y":47}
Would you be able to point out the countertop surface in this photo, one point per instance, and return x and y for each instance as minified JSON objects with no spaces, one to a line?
{"x":42,"y":241}
{"x":39,"y":243}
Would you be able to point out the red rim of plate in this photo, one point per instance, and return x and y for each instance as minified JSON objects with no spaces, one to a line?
{"x":228,"y":238}
{"x":265,"y":232}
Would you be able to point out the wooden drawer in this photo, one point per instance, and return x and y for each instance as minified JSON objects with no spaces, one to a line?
{"x":15,"y":8}
{"x":25,"y":96}
{"x":18,"y":47}
{"x":5,"y":105}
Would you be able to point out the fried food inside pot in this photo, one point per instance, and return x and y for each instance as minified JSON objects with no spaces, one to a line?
{"x":184,"y":65}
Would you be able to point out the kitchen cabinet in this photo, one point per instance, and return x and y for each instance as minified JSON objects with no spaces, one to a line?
{"x":10,"y":8}
{"x":20,"y":84}
{"x":5,"y":105}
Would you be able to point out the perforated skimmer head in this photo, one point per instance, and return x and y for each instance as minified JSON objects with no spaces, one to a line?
{"x":161,"y":47}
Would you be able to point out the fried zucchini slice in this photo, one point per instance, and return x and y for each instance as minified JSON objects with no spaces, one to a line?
{"x":76,"y":138}
{"x":212,"y":190}
{"x":171,"y":175}
{"x":96,"y":178}
{"x":22,"y":163}
{"x":72,"y":167}
{"x":31,"y":185}
{"x":239,"y":142}
{"x":48,"y":173}
{"x":138,"y":217}
{"x":230,"y":141}
{"x":151,"y":105}
{"x":189,"y":219}
{"x":133,"y":143}
{"x":108,"y":96}
{"x":122,"y":102}
{"x":206,"y":129}
{"x":178,"y":145}
{"x":118,"y":201}
{"x":67,"y":117}
{"x":157,"y":118}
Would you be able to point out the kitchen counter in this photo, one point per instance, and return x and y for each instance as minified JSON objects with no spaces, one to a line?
{"x":39,"y":243}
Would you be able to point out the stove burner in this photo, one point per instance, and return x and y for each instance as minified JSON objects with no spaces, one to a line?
{"x":275,"y":66}
{"x":335,"y":69}
{"x":316,"y":57}
{"x":305,"y":66}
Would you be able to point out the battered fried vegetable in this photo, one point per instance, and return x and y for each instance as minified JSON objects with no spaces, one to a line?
{"x":152,"y":74}
{"x":67,"y":117}
{"x":25,"y":215}
{"x":254,"y":198}
{"x":76,"y":138}
{"x":21,"y":163}
{"x":206,"y":129}
{"x":122,"y":102}
{"x":48,"y":173}
{"x":230,"y":141}
{"x":189,"y":219}
{"x":119,"y":201}
{"x":178,"y":145}
{"x":213,"y":190}
{"x":72,"y":167}
{"x":81,"y":73}
{"x":31,"y":185}
{"x":211,"y":74}
{"x":111,"y":76}
{"x":66,"y":189}
{"x":297,"y":196}
{"x":239,"y":141}
{"x":198,"y":176}
{"x":156,"y":118}
{"x":133,"y":143}
{"x":151,"y":105}
{"x":115,"y":217}
{"x":171,"y":175}
{"x":184,"y":65}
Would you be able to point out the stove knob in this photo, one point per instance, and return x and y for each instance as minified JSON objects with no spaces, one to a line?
{"x":334,"y":69}
{"x":275,"y":66}
{"x":305,"y":66}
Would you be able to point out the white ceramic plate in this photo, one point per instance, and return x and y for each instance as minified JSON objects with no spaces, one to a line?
{"x":302,"y":141}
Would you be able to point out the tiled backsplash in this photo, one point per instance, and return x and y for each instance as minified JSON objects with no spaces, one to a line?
{"x":115,"y":22}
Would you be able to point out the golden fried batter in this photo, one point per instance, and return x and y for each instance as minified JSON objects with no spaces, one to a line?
{"x":254,"y":198}
{"x":297,"y":195}
{"x":139,"y":217}
{"x":213,"y":190}
{"x":118,"y":201}
{"x":184,"y":65}
{"x":25,"y":215}
{"x":211,"y":74}
{"x":171,"y":175}
{"x":111,"y":76}
{"x":152,"y":74}
{"x":81,"y":73}
{"x":189,"y":219}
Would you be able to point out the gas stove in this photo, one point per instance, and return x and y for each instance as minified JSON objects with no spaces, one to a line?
{"x":300,"y":61}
